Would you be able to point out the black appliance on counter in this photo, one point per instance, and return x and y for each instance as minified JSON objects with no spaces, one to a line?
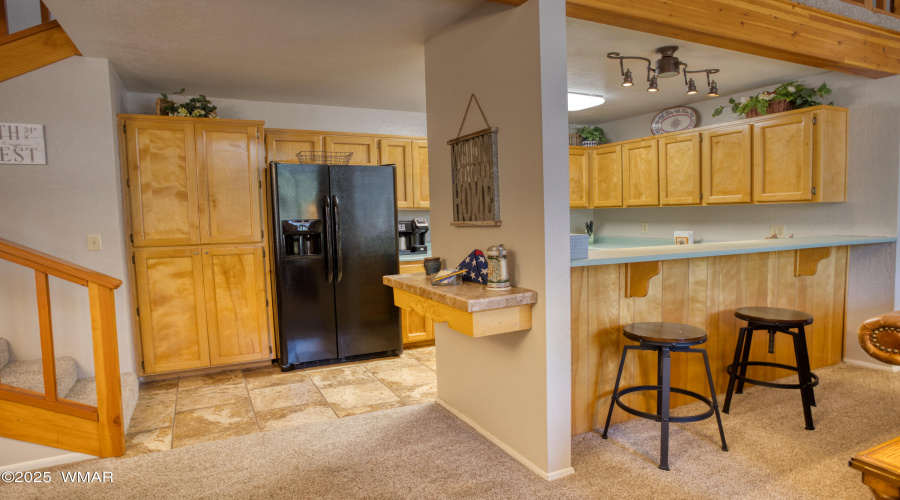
{"x":335,"y":234}
{"x":412,"y":235}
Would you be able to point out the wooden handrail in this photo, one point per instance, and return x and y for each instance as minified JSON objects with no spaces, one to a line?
{"x":54,"y":266}
{"x":4,"y":23}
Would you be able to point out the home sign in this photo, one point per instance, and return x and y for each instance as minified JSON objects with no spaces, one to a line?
{"x":22,"y":144}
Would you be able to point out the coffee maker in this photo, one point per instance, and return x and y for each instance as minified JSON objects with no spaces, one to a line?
{"x":412,"y":235}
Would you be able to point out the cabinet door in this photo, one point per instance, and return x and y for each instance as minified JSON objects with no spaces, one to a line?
{"x":172,"y":310}
{"x":236,"y":314}
{"x":679,"y":169}
{"x":421,"y":196}
{"x":399,"y":153}
{"x":606,"y":177}
{"x":228,"y":169}
{"x":782,"y":159}
{"x":413,"y":325}
{"x":284,"y":146}
{"x":726,"y":165}
{"x":363,"y":148}
{"x":640,"y":167}
{"x":162,"y":175}
{"x":578,"y":178}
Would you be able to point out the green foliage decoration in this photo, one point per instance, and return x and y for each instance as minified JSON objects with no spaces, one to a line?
{"x":589,"y":133}
{"x":792,"y":91}
{"x":198,"y":107}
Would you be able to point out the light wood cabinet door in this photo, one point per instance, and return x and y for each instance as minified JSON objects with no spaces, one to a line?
{"x":606,"y":177}
{"x":399,"y":153}
{"x":162,"y":180}
{"x":413,"y":325}
{"x":578,"y":177}
{"x":363,"y":148}
{"x":229,"y":181}
{"x":640,"y":168}
{"x":782,"y":158}
{"x":726,"y":165}
{"x":421,"y":196}
{"x":679,"y":169}
{"x":284,"y":146}
{"x":235,"y":293}
{"x":172,"y":310}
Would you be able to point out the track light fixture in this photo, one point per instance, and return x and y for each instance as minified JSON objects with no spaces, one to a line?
{"x":666,"y":66}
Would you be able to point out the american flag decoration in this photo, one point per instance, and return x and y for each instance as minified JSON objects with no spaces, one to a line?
{"x":475,"y":267}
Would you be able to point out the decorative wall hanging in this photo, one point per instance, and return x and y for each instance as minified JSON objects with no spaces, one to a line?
{"x":22,"y":144}
{"x":673,"y":120}
{"x":475,"y":175}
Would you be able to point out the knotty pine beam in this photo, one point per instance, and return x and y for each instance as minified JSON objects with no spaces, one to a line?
{"x":778,"y":29}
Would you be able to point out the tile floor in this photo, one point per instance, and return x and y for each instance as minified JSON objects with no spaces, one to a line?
{"x":189,"y":410}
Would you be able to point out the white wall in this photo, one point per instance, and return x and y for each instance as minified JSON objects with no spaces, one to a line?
{"x":514,"y":387}
{"x":52,"y":207}
{"x":301,"y":116}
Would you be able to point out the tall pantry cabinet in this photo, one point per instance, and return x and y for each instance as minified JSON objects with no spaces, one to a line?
{"x":194,"y":203}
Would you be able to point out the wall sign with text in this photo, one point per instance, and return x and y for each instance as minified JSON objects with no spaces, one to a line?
{"x":22,"y":144}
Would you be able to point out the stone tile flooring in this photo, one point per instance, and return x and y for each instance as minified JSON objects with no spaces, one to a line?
{"x":189,"y":410}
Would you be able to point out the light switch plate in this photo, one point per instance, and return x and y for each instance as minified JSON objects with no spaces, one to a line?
{"x":93,"y":242}
{"x":645,"y":227}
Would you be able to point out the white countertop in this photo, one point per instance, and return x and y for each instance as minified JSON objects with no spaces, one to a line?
{"x":611,"y":250}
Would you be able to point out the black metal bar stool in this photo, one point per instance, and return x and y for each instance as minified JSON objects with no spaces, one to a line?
{"x":772,"y":320}
{"x":665,"y":338}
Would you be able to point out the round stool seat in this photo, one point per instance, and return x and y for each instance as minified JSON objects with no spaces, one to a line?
{"x":773,"y":316}
{"x":665,"y":333}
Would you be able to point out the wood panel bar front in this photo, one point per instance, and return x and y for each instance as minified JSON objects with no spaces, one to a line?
{"x":702,"y":292}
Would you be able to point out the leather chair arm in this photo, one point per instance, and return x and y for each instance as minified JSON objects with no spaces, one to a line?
{"x":880,"y":337}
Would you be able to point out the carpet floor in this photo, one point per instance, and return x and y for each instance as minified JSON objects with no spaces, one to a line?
{"x":425,"y":452}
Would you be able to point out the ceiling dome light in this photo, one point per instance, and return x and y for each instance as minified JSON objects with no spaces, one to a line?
{"x":577,"y":102}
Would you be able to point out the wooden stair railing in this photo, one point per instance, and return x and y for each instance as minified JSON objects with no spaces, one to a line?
{"x":46,"y":418}
{"x":34,"y":47}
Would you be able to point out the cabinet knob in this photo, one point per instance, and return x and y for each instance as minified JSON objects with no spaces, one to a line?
{"x":206,"y":252}
{"x":196,"y":253}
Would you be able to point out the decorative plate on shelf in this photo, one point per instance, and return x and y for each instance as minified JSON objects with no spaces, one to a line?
{"x":673,"y":120}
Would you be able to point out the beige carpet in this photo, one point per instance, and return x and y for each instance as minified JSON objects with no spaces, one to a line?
{"x":424,"y":452}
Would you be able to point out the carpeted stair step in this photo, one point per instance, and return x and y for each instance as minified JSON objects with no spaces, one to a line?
{"x":85,"y":391}
{"x":30,"y":374}
{"x":4,"y":352}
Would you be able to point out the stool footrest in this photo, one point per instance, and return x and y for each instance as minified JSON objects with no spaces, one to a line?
{"x":658,"y":418}
{"x":730,"y":369}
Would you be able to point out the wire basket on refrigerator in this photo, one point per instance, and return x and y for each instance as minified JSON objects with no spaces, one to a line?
{"x":324,"y":158}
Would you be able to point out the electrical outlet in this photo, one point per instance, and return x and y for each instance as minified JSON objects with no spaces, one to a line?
{"x":777,"y":231}
{"x":93,"y":242}
{"x":645,"y":227}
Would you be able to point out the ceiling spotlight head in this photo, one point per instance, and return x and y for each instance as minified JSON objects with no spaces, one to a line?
{"x":654,"y":87}
{"x":627,"y":81}
{"x":713,"y":90}
{"x":668,"y":65}
{"x":692,"y":88}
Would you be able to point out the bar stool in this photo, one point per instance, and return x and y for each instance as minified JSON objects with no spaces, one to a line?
{"x":772,"y":320}
{"x":665,"y":338}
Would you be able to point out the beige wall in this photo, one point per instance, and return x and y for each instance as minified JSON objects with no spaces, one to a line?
{"x":515,"y":387}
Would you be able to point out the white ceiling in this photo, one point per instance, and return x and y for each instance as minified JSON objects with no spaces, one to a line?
{"x":355,"y":53}
{"x":365,"y":54}
{"x":591,"y":72}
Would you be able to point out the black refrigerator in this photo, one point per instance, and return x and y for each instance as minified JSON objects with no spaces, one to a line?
{"x":335,"y":233}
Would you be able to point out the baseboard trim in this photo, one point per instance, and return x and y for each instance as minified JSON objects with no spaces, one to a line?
{"x":46,"y":462}
{"x":873,"y":366}
{"x":549,"y":476}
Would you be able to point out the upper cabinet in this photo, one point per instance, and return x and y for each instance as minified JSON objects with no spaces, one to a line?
{"x":399,"y":153}
{"x":364,"y":148}
{"x":796,"y":156}
{"x":284,"y":146}
{"x":421,"y":198}
{"x":192,"y":183}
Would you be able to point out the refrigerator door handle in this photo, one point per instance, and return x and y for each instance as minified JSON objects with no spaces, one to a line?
{"x":339,"y":272}
{"x":329,"y":263}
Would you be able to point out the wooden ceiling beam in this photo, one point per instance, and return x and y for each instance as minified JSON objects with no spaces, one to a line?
{"x":778,"y":29}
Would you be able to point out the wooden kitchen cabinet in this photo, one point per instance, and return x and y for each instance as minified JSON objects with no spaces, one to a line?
{"x":421,"y":196}
{"x":679,"y":169}
{"x":782,"y":158}
{"x":605,"y":187}
{"x":578,"y":177}
{"x":283,"y":146}
{"x":726,"y":165}
{"x":364,"y":148}
{"x":640,"y":167}
{"x":414,"y":327}
{"x":399,"y":153}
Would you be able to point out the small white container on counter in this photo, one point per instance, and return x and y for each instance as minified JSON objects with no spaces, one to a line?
{"x":578,"y":246}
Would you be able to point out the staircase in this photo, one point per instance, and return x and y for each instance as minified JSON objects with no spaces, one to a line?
{"x":29,"y":375}
{"x":34,"y":47}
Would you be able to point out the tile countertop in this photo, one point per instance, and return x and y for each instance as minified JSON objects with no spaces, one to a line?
{"x":469,"y":297}
{"x":411,"y":257}
{"x":612,"y":250}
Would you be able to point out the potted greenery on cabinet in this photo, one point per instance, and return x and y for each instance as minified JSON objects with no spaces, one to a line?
{"x":785,"y":97}
{"x":591,"y":136}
